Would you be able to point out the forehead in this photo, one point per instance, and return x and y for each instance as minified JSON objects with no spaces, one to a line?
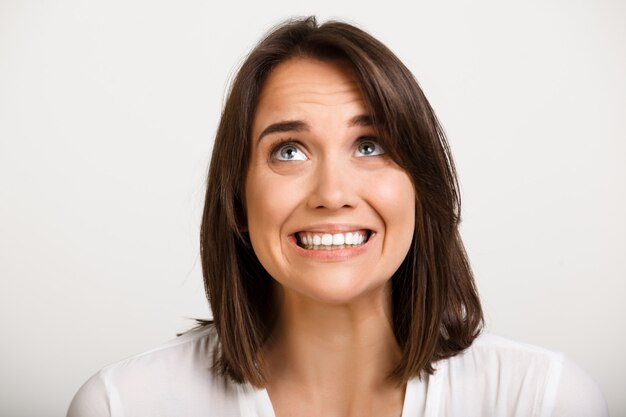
{"x":310,"y":76}
{"x":305,"y":85}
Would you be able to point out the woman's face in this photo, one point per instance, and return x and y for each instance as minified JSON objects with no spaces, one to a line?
{"x":330,"y":215}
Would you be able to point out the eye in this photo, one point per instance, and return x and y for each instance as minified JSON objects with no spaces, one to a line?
{"x":287,"y":151}
{"x":369,"y":147}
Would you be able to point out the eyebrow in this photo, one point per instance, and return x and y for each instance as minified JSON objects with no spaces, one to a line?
{"x":301,"y":126}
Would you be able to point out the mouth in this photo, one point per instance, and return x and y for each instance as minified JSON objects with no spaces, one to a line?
{"x":332,"y":241}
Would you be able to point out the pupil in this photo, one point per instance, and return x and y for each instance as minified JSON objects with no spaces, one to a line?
{"x":367,"y":148}
{"x":288,"y":153}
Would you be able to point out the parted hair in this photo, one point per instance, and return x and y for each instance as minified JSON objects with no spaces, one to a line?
{"x":436,"y":311}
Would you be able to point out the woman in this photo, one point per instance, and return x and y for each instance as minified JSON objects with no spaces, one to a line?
{"x":332,"y":260}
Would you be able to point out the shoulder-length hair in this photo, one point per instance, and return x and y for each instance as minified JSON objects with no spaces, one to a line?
{"x":436,"y":312}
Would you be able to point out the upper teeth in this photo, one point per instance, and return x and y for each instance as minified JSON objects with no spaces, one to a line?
{"x":328,"y":239}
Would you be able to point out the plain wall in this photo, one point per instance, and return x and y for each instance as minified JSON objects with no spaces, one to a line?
{"x":107,"y":115}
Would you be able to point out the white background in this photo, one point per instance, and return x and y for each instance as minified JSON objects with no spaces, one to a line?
{"x":107,"y":114}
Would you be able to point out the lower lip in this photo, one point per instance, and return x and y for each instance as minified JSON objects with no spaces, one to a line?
{"x":332,"y":255}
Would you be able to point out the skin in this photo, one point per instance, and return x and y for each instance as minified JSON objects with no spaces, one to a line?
{"x":333,"y":344}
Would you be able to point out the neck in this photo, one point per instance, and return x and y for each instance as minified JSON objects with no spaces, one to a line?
{"x":343,"y":348}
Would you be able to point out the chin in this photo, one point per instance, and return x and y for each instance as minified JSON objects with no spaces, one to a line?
{"x":343,"y":292}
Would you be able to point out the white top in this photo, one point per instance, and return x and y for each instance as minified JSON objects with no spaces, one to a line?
{"x":493,"y":377}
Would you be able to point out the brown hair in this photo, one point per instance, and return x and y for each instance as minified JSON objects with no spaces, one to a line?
{"x":436,"y":309}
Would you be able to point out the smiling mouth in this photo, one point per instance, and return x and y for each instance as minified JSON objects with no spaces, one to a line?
{"x":332,"y":241}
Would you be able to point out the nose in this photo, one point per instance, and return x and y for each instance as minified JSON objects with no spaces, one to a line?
{"x":334,"y":187}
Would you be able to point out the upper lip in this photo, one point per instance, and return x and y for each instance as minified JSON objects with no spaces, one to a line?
{"x":333,"y":228}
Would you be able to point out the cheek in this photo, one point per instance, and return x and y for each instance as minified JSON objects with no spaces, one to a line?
{"x":395,"y":197}
{"x":269,"y":200}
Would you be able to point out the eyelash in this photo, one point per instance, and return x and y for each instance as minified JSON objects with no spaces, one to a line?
{"x":372,"y":139}
{"x":281,"y":143}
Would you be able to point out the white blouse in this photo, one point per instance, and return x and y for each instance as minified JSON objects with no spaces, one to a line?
{"x":493,"y":377}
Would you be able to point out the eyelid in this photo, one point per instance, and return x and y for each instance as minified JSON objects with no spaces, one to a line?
{"x":374,"y":140}
{"x":281,"y":143}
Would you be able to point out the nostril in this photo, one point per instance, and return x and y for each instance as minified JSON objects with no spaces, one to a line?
{"x":330,"y":206}
{"x":333,"y":191}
